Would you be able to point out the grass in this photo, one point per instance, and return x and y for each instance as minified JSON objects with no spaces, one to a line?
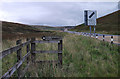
{"x":82,"y":57}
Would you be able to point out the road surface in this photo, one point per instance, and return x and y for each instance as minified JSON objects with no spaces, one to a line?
{"x":116,"y":38}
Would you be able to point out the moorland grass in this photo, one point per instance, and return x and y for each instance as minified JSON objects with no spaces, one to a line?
{"x":82,"y":57}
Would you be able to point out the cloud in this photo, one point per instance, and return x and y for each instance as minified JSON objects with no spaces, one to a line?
{"x":52,"y":13}
{"x":60,"y":0}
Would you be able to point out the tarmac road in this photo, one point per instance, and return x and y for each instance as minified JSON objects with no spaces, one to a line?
{"x":116,"y":38}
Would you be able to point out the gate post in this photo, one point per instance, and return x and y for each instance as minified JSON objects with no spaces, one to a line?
{"x":19,"y":57}
{"x":32,"y":49}
{"x":60,"y":53}
{"x":28,"y":49}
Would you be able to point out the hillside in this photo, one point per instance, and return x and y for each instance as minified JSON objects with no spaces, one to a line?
{"x":9,"y":27}
{"x":12,"y":30}
{"x":107,"y":24}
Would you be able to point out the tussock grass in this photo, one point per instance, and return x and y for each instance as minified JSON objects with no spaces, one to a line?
{"x":82,"y":57}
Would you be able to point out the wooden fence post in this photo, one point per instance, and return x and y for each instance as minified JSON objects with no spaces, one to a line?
{"x":19,"y":57}
{"x":32,"y":49}
{"x":60,"y":54}
{"x":28,"y":49}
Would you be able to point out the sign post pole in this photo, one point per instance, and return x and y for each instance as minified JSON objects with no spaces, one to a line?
{"x":90,"y":31}
{"x":94,"y":30}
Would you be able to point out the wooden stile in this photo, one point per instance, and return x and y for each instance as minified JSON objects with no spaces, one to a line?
{"x":31,"y":50}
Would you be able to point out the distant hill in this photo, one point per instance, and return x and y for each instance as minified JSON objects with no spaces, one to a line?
{"x":67,"y":27}
{"x":107,"y":24}
{"x":48,"y":28}
{"x":59,"y":28}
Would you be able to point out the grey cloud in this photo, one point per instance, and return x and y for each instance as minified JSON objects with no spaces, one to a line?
{"x":54,"y":13}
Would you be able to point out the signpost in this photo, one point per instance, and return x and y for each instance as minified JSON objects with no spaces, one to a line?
{"x":90,"y":17}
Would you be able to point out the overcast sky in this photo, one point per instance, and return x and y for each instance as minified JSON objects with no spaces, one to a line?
{"x":53,"y":13}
